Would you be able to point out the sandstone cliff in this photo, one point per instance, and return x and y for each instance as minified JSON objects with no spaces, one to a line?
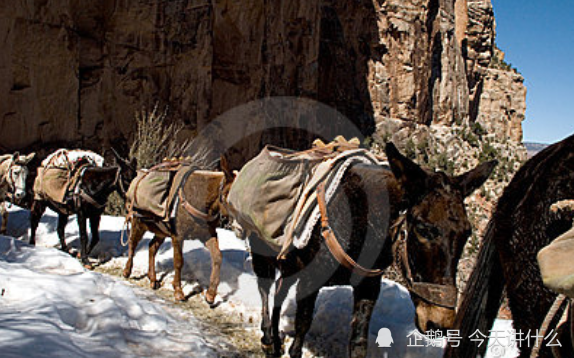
{"x":73,"y":72}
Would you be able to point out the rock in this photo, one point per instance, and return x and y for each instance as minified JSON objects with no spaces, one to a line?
{"x":74,"y":72}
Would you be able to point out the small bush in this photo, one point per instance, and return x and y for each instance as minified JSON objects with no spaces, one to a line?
{"x":155,"y":139}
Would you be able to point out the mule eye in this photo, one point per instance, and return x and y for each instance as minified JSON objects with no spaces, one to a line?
{"x":427,"y":232}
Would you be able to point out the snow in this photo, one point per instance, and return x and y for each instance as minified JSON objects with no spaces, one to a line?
{"x":51,"y":306}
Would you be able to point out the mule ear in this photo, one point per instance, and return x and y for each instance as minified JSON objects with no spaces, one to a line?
{"x":117,"y":156}
{"x":29,"y":157}
{"x":133,"y":163}
{"x":15,"y":157}
{"x":224,"y":165}
{"x":472,"y":180}
{"x":408,"y":173}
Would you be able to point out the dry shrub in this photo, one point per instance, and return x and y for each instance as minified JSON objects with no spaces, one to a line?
{"x":155,"y":139}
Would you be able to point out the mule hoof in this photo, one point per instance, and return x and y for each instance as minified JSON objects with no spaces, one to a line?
{"x":210,"y":297}
{"x":126,"y":274}
{"x":279,"y":351}
{"x":179,"y":296}
{"x":155,"y":285}
{"x":267,"y":349}
{"x":88,"y":266}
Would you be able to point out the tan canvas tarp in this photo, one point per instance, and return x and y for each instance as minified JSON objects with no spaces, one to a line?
{"x":55,"y":183}
{"x":149,"y":191}
{"x":266,"y":190}
{"x":153,"y":191}
{"x":556,"y":263}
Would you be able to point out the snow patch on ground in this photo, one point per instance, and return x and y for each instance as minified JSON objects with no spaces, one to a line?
{"x":52,"y":307}
{"x":50,"y":300}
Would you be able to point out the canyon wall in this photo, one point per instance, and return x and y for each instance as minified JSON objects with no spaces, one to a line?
{"x":73,"y":72}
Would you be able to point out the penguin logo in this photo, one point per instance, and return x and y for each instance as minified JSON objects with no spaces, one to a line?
{"x":384,"y":339}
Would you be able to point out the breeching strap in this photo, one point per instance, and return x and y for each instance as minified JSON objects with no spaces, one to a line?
{"x":333,"y":244}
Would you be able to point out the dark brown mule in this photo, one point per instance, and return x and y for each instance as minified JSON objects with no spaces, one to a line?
{"x":521,"y":225}
{"x":364,"y":213}
{"x":197,"y":217}
{"x":96,"y":185}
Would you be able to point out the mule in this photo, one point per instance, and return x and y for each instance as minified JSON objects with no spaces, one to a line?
{"x":414,"y":214}
{"x":197,"y":216}
{"x":13,"y":175}
{"x":521,"y":225}
{"x":88,"y":203}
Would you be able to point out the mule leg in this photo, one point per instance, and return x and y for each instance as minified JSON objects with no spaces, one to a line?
{"x":81,"y":216}
{"x":137,"y":232}
{"x":177,"y":244}
{"x":265,"y":272}
{"x":303,"y":318}
{"x":95,"y":229}
{"x":282,"y":288}
{"x":213,"y":246}
{"x":154,"y":245}
{"x":38,"y":208}
{"x":62,"y":221}
{"x":365,"y":297}
{"x":4,"y":218}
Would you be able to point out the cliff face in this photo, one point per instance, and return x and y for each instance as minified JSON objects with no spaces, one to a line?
{"x":74,"y":72}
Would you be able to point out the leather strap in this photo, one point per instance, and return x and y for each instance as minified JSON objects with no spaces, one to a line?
{"x":196,"y":213}
{"x":86,"y":197}
{"x":333,"y":244}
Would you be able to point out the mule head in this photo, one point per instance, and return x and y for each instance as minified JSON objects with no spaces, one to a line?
{"x":17,"y":175}
{"x":128,"y":172}
{"x":433,"y":231}
{"x":229,"y":177}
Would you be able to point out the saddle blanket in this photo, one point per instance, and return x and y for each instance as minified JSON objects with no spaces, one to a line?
{"x":66,"y":158}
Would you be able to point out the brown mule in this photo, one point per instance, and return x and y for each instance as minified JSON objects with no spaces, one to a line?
{"x":197,"y":216}
{"x":371,"y":204}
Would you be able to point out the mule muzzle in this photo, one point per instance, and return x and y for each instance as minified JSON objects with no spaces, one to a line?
{"x":444,"y":296}
{"x":19,"y":195}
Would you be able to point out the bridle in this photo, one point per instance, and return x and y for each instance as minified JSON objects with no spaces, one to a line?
{"x":436,"y":294}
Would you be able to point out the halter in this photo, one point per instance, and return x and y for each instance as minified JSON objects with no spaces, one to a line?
{"x":439,"y":295}
{"x":9,"y":180}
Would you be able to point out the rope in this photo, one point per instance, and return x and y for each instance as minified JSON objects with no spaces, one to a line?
{"x":546,"y":324}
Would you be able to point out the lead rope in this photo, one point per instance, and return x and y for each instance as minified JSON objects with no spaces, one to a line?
{"x":547,"y":320}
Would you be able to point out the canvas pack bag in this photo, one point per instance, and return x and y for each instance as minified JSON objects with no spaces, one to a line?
{"x":60,"y":173}
{"x":265,"y":192}
{"x":557,"y":264}
{"x":154,"y":190}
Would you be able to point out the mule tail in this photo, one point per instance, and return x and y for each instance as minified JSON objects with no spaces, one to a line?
{"x":480,"y":300}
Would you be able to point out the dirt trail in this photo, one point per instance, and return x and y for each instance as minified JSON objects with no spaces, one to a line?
{"x":236,"y":337}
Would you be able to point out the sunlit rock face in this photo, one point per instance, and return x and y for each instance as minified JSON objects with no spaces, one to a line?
{"x":74,"y":72}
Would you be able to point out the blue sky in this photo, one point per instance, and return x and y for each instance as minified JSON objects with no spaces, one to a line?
{"x":538,"y":39}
